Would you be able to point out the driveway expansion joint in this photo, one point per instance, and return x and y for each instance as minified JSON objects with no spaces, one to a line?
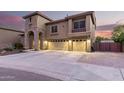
{"x":121,"y":73}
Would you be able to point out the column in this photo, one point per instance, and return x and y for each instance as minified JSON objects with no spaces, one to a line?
{"x":36,"y":40}
{"x":45,"y":42}
{"x":70,"y":26}
{"x":88,"y":45}
{"x":41,"y":41}
{"x":26,"y":41}
{"x":88,"y":23}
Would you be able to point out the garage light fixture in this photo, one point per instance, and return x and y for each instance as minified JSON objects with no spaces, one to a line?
{"x":88,"y":41}
{"x":45,"y":42}
{"x":69,"y":41}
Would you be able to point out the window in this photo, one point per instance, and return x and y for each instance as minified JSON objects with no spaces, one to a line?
{"x":79,"y":24}
{"x":76,"y":25}
{"x":29,"y":23}
{"x":82,"y":24}
{"x":30,"y":20}
{"x":54,"y":29}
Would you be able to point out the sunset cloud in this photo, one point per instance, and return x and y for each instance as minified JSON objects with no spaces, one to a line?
{"x":105,"y":30}
{"x":12,"y":21}
{"x":105,"y":34}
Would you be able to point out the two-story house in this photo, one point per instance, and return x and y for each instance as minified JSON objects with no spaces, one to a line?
{"x":73,"y":33}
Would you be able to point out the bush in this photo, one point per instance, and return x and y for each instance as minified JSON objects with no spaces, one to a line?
{"x":8,"y":49}
{"x":18,"y":46}
{"x":98,"y":39}
{"x":118,"y":34}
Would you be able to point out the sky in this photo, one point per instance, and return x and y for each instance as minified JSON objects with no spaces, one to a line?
{"x":14,"y":19}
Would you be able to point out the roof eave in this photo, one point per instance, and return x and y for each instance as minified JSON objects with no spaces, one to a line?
{"x":37,"y":13}
{"x":84,"y":14}
{"x":56,"y":21}
{"x":11,"y":29}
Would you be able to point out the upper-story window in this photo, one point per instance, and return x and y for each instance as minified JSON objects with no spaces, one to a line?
{"x":30,"y":20}
{"x":54,"y":29}
{"x":79,"y":24}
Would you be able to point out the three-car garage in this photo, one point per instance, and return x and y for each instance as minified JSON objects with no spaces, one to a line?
{"x":73,"y":45}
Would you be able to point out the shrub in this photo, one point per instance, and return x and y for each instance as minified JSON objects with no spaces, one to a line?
{"x":118,"y":34}
{"x":18,"y":46}
{"x":98,"y":39}
{"x":8,"y":49}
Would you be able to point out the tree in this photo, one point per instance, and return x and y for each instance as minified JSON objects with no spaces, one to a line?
{"x":118,"y":34}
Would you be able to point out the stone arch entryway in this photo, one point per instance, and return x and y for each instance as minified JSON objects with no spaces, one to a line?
{"x":34,"y":40}
{"x":40,"y":40}
{"x":31,"y":39}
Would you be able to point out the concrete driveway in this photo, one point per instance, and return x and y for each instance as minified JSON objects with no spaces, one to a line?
{"x":63,"y":65}
{"x":7,"y":74}
{"x":110,"y":59}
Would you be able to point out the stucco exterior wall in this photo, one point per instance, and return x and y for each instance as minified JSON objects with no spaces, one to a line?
{"x":37,"y":25}
{"x":7,"y":38}
{"x":41,"y":22}
{"x":91,"y":29}
{"x":65,"y":29}
{"x":33,"y":22}
{"x":61,"y":33}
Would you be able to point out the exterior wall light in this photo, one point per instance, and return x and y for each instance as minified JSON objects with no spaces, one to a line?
{"x":70,"y":45}
{"x":88,"y":41}
{"x":70,"y":41}
{"x":45,"y":44}
{"x":39,"y":43}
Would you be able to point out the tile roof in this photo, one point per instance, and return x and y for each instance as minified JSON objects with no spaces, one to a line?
{"x":76,"y":15}
{"x":37,"y":13}
{"x":11,"y":29}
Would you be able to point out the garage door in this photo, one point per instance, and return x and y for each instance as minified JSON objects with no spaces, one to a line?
{"x":79,"y":45}
{"x":58,"y":45}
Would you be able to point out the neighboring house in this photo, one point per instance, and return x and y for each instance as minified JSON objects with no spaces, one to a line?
{"x":73,"y":33}
{"x":10,"y":36}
